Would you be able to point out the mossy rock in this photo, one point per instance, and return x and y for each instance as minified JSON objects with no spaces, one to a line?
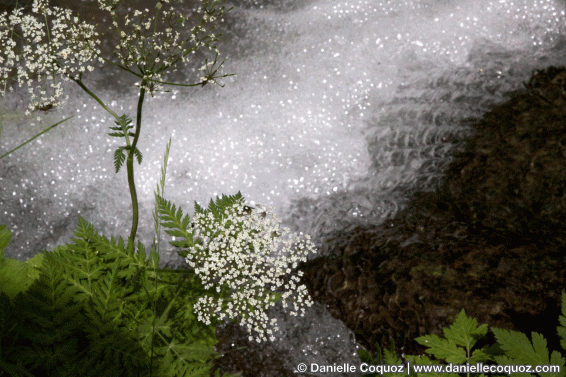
{"x":510,"y":181}
{"x":489,"y":240}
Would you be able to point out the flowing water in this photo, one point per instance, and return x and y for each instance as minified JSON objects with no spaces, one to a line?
{"x":339,"y":111}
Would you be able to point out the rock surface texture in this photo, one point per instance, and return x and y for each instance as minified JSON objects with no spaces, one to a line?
{"x":491,"y":239}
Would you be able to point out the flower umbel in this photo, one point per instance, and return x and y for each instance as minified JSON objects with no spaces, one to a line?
{"x":151,"y":41}
{"x":240,"y":251}
{"x":69,"y":41}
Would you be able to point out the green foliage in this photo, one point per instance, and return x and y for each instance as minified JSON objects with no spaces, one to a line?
{"x":96,"y":308}
{"x":178,"y":226}
{"x":511,"y":348}
{"x":15,"y":276}
{"x":218,"y":209}
{"x":123,"y":128}
{"x":160,"y":192}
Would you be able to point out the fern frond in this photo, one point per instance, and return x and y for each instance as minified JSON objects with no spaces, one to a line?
{"x":465,"y":331}
{"x":5,"y":236}
{"x":162,"y":324}
{"x":161,"y":193}
{"x":123,"y":123}
{"x":48,"y":319}
{"x":186,"y":360}
{"x":115,"y":347}
{"x":119,"y":158}
{"x":104,"y":300}
{"x":175,"y":222}
{"x":14,"y":370}
{"x":138,"y":155}
{"x":519,"y":350}
{"x":100,"y":309}
{"x":217,"y":209}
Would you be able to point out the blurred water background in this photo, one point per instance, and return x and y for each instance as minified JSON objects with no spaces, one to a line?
{"x":339,"y":111}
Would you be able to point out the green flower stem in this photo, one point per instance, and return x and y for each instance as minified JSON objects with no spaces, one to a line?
{"x":130,"y":165}
{"x":130,"y":161}
{"x":79,"y":82}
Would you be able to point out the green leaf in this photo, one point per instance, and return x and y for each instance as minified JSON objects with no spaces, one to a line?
{"x":5,"y":236}
{"x":519,"y":350}
{"x":138,"y":155}
{"x":443,"y":348}
{"x":365,"y":357}
{"x":465,"y":331}
{"x":123,"y":123}
{"x":119,"y":158}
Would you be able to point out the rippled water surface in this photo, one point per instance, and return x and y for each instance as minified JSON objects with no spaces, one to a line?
{"x":339,"y":110}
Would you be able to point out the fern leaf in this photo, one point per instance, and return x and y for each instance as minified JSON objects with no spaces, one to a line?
{"x":443,"y":348}
{"x":119,"y":158}
{"x":116,"y":348}
{"x":104,"y":299}
{"x":172,"y":219}
{"x":517,"y":346}
{"x":519,"y":350}
{"x":115,"y":134}
{"x":5,"y":236}
{"x":217,"y":209}
{"x":194,"y":370}
{"x":138,"y":155}
{"x":47,"y":318}
{"x":198,"y":208}
{"x":390,"y":356}
{"x":187,"y":360}
{"x":557,"y":359}
{"x":80,"y":265}
{"x":465,"y":331}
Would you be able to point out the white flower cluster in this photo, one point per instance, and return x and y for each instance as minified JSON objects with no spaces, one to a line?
{"x":238,"y":252}
{"x":53,"y":47}
{"x":68,"y":41}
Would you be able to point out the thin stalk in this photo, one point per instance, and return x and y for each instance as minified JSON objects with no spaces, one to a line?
{"x":39,"y":134}
{"x":79,"y":82}
{"x":130,"y":165}
{"x":160,"y":192}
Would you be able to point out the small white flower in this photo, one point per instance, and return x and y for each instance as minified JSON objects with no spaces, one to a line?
{"x":76,"y":43}
{"x":245,"y":257}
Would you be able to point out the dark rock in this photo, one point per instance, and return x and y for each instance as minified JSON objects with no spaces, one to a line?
{"x":490,"y":239}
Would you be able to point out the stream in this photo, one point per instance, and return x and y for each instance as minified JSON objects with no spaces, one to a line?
{"x":339,"y":110}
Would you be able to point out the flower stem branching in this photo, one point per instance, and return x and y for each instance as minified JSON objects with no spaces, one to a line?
{"x":230,"y":247}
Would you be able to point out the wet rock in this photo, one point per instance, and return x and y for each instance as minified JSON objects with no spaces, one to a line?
{"x":490,"y":239}
{"x":511,"y":179}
